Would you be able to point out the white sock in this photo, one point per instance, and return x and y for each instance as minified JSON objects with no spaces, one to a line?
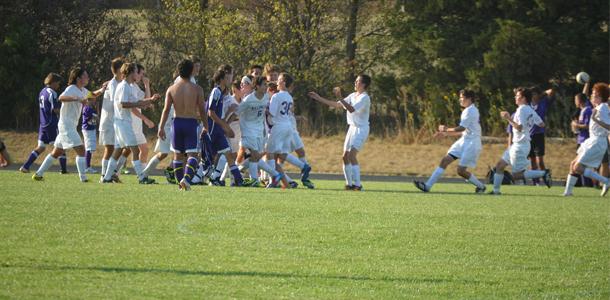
{"x":304,"y":160}
{"x":120,"y":163}
{"x":570,"y":183}
{"x":220,"y":165}
{"x":137,"y":166}
{"x":46,"y":164}
{"x":225,"y":172}
{"x":253,"y":169}
{"x":347,"y":172}
{"x":594,"y":175}
{"x":356,"y":174}
{"x":267,"y":168}
{"x":152,"y":164}
{"x":498,"y":177}
{"x":473,"y":179}
{"x":81,"y":165}
{"x":531,"y":174}
{"x":112,"y":164}
{"x":293,"y":160}
{"x":434,"y":177}
{"x":104,"y":166}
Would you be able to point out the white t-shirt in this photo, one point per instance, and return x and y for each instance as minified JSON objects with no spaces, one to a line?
{"x":123,"y":94}
{"x":251,"y":113}
{"x":70,"y":111}
{"x":527,"y":117}
{"x":280,"y":108}
{"x":362,"y":108}
{"x":107,"y":117}
{"x":470,"y":120}
{"x":604,"y":115}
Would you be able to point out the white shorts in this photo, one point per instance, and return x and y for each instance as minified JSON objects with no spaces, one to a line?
{"x":234,"y":142}
{"x":280,"y":139}
{"x":297,"y":142}
{"x":43,"y":144}
{"x":164,"y":146}
{"x":591,"y":151}
{"x":256,"y":143}
{"x":138,"y":130}
{"x":89,"y":137}
{"x":68,"y":138}
{"x":516,"y":156}
{"x":355,"y":138}
{"x":107,"y":135}
{"x":125,"y":137}
{"x":467,"y":150}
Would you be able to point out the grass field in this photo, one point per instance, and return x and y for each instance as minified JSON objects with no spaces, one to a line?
{"x":64,"y":239}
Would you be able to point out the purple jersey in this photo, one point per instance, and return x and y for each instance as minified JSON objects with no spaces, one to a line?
{"x":215,"y":105}
{"x":48,"y":102}
{"x":541,"y":109}
{"x":583,"y":119}
{"x":89,"y":118}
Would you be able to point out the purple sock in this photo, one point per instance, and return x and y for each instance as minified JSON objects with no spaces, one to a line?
{"x":191,"y":168}
{"x":31,"y":159}
{"x":178,"y":170}
{"x":236,"y":175}
{"x":88,"y":158}
{"x":62,"y":163}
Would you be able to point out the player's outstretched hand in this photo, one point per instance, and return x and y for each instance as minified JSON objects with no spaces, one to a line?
{"x":505,"y":115}
{"x":337,"y":92}
{"x":156,"y":97}
{"x":161,"y":133}
{"x":313,"y":95}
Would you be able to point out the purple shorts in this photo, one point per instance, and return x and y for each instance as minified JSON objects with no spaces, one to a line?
{"x":47,"y":136}
{"x":185,"y":135}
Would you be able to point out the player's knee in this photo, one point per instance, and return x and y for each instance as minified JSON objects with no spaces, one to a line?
{"x":463,"y":171}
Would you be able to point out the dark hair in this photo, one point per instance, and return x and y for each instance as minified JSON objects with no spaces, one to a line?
{"x":218,"y":76}
{"x":226,"y":68}
{"x":51,"y":78}
{"x":287,"y":79}
{"x":75,"y":73}
{"x":272,"y":85}
{"x":525,"y":92}
{"x":194,"y":59}
{"x":366,"y":79}
{"x":535,"y":90}
{"x":252,"y":67}
{"x":128,"y":68}
{"x":140,"y":67}
{"x":185,"y":68}
{"x":467,"y":94}
{"x":582,"y":98}
{"x":602,"y":90}
{"x":259,"y":81}
{"x":116,"y":64}
{"x":236,"y":84}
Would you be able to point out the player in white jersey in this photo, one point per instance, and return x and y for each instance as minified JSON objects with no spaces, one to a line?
{"x":137,"y":117}
{"x":72,"y":100}
{"x":466,"y":149}
{"x":592,"y":150}
{"x":125,"y":99}
{"x":229,"y":111}
{"x":357,"y":105}
{"x":516,"y":155}
{"x":106,"y":126}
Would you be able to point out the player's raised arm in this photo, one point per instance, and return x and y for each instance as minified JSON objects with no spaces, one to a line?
{"x":315,"y":96}
{"x":164,"y":115}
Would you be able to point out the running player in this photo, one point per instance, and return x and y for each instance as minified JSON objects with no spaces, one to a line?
{"x":466,"y":149}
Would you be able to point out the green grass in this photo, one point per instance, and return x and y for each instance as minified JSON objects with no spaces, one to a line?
{"x":64,"y":239}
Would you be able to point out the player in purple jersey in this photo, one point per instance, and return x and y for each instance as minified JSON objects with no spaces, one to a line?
{"x":89,"y":128}
{"x":47,"y":132}
{"x":540,"y":103}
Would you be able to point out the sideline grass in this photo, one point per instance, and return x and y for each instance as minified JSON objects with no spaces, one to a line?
{"x":64,"y":239}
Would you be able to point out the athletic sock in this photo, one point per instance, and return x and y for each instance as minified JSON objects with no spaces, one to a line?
{"x":46,"y":164}
{"x":191,"y":167}
{"x":236,"y":175}
{"x":152,"y":164}
{"x":594,"y":175}
{"x":225,"y":172}
{"x":267,"y":168}
{"x":81,"y":165}
{"x":531,"y":174}
{"x":88,"y":159}
{"x":498,"y":178}
{"x":304,"y":160}
{"x":570,"y":183}
{"x":434,"y":177}
{"x":111,"y":168}
{"x":356,"y":174}
{"x":137,"y":167}
{"x":220,"y":165}
{"x":104,"y":166}
{"x":295,"y":161}
{"x":347,"y":172}
{"x":473,"y":179}
{"x":63,"y":163}
{"x":121,"y":163}
{"x":31,"y":159}
{"x":178,"y":170}
{"x":253,"y":170}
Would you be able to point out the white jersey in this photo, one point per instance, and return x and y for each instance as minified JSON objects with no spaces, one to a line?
{"x":470,"y":120}
{"x":123,"y":94}
{"x":70,"y":111}
{"x":362,"y":107}
{"x":107,"y":116}
{"x":280,"y":108}
{"x":603,"y":113}
{"x":136,"y":122}
{"x":527,"y":117}
{"x":251,"y":113}
{"x":227,"y":101}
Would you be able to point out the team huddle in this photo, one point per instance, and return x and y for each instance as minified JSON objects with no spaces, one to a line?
{"x":246,"y":130}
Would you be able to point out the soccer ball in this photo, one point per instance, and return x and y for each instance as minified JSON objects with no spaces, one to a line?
{"x":582,"y":78}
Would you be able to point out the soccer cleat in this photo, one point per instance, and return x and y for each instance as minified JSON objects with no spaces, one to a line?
{"x":494,"y":193}
{"x":250,"y":183}
{"x":479,"y":190}
{"x":115,"y":178}
{"x":275,"y":181}
{"x":125,"y":171}
{"x":547,"y":178}
{"x":24,"y":170}
{"x":84,"y":180}
{"x":357,"y":188}
{"x":147,"y":180}
{"x":567,"y":194}
{"x":349,"y":187}
{"x":90,"y":170}
{"x":307,"y":183}
{"x":216,"y":182}
{"x":421,"y":186}
{"x":169,"y":175}
{"x":106,"y":181}
{"x":604,"y":189}
{"x":64,"y":172}
{"x":305,"y":172}
{"x":35,"y":177}
{"x":293,"y":184}
{"x":184,"y":185}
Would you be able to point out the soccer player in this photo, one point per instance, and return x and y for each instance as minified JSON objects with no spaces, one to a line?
{"x":580,"y":127}
{"x":137,"y":116}
{"x":49,"y":110}
{"x":516,"y":155}
{"x":540,"y":103}
{"x":187,"y":100}
{"x":466,"y":149}
{"x":72,"y":100}
{"x":297,"y":146}
{"x":357,"y":105}
{"x":106,"y":126}
{"x":591,"y":152}
{"x":256,"y":71}
{"x":89,"y":127}
{"x":229,"y":107}
{"x":125,"y":99}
